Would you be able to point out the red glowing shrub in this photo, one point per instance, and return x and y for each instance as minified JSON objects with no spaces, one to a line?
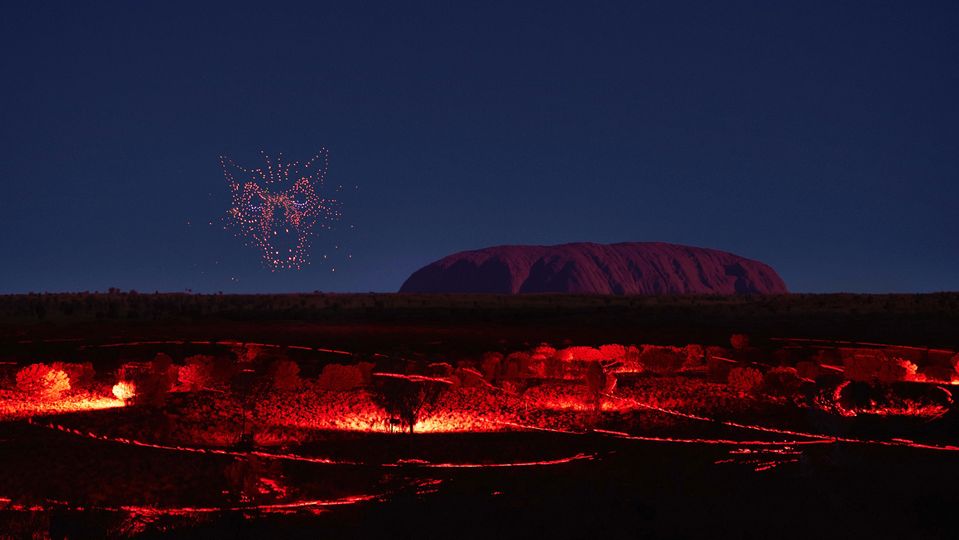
{"x":124,"y":390}
{"x":81,"y":375}
{"x":745,"y":380}
{"x":695,"y":357}
{"x":579,"y":353}
{"x":739,"y":342}
{"x":542,"y":352}
{"x":42,"y":381}
{"x":544,"y":349}
{"x":876,"y":366}
{"x":612,"y":351}
{"x":197,"y":374}
{"x":490,"y":366}
{"x":285,"y":375}
{"x":248,"y":352}
{"x":782,"y":381}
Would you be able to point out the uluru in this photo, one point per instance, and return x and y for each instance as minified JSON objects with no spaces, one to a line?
{"x":642,"y":268}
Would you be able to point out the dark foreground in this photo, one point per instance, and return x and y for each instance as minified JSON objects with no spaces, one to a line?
{"x":669,"y":452}
{"x":658,"y":490}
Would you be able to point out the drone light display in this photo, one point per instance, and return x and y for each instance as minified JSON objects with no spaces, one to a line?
{"x":277,"y":206}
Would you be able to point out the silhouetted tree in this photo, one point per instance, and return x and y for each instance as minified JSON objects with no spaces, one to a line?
{"x":404,"y":397}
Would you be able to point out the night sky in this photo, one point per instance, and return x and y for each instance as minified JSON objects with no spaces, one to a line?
{"x":821,"y":139}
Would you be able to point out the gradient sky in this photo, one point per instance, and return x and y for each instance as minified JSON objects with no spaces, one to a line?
{"x":820,"y":138}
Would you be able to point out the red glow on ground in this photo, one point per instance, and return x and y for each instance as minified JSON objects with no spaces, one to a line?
{"x":15,"y":407}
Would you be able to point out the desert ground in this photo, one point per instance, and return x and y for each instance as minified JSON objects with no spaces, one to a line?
{"x":143,"y":415}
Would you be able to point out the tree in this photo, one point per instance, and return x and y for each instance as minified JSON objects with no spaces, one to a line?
{"x":404,"y":397}
{"x":596,"y":384}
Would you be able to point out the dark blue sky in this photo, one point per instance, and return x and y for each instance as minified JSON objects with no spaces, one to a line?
{"x":819,"y":138}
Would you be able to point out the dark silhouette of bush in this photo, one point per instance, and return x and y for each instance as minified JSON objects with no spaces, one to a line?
{"x":153,"y":387}
{"x":404,"y":397}
{"x":596,"y":385}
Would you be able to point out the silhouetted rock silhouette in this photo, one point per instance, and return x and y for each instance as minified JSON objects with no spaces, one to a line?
{"x":587,"y":268}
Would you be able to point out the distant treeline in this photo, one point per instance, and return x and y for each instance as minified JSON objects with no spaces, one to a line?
{"x":928,"y":319}
{"x":159,"y":306}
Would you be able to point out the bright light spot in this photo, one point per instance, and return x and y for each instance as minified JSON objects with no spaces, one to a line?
{"x":124,"y":390}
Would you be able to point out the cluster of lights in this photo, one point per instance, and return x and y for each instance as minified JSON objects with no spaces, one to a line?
{"x":280,"y":199}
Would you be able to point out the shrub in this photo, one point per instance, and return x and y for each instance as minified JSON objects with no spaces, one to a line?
{"x":285,"y":375}
{"x":695,"y":356}
{"x":876,"y":366}
{"x":739,"y":342}
{"x":81,"y":375}
{"x":612,"y":351}
{"x":745,"y":379}
{"x":151,"y":388}
{"x":197,"y":374}
{"x":491,"y":365}
{"x":42,"y":381}
{"x":579,"y":353}
{"x":782,"y":381}
{"x":124,"y":390}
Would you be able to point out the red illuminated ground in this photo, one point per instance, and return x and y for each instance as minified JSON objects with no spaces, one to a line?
{"x":246,"y":415}
{"x":122,"y":436}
